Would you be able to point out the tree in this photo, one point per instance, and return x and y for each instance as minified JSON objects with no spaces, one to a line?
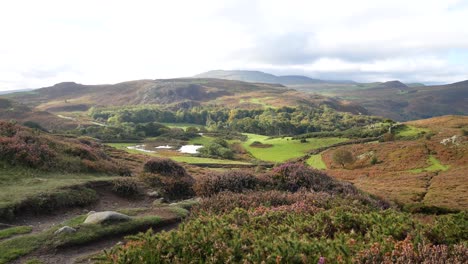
{"x":343,"y":157}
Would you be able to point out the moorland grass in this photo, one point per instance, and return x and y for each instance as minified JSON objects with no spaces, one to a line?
{"x":284,"y":148}
{"x":410,"y":132}
{"x":16,"y":230}
{"x":18,"y":183}
{"x":435,"y":166}
{"x":315,"y":161}
{"x":19,"y":246}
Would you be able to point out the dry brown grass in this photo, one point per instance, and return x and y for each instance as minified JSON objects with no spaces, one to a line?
{"x":392,"y":177}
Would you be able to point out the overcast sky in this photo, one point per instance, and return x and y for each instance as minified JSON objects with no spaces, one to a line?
{"x":45,"y":42}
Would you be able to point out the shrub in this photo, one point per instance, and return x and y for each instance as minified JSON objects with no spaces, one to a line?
{"x":172,"y":179}
{"x":34,"y":125}
{"x":342,"y":157}
{"x":387,"y":137}
{"x":165,"y":167}
{"x":449,"y":229}
{"x":293,"y":176}
{"x":217,"y":150}
{"x":233,"y":180}
{"x":258,"y":144}
{"x":289,"y":234}
{"x":125,"y":187}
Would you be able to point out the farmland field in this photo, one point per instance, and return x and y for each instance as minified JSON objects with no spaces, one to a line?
{"x":285,"y":148}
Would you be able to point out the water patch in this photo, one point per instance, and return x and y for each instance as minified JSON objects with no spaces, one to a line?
{"x":163,"y":147}
{"x":140,"y":148}
{"x":190,"y":149}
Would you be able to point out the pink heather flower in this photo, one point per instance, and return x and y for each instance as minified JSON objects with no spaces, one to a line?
{"x":321,"y":260}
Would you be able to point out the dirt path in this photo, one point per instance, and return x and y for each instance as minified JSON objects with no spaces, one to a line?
{"x":107,"y":201}
{"x":81,"y":254}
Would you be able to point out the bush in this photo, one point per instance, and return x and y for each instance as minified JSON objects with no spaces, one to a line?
{"x":172,"y":179}
{"x":449,"y":229}
{"x":234,"y":181}
{"x":294,"y":176}
{"x":125,"y":187}
{"x":165,"y":167}
{"x":217,"y":149}
{"x":343,"y":157}
{"x":289,"y":234}
{"x":388,"y":137}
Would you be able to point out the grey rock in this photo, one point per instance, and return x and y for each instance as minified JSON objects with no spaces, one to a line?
{"x":66,"y":230}
{"x":153,"y":194}
{"x":106,"y":216}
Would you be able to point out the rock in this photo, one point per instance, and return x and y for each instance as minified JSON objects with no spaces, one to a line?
{"x":153,"y":194}
{"x":91,"y":212}
{"x":106,"y":216}
{"x":66,"y":230}
{"x":159,"y":201}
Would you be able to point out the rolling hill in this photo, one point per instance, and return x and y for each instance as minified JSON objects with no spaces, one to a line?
{"x":12,"y":110}
{"x":409,"y":103}
{"x":392,"y":99}
{"x":175,"y":93}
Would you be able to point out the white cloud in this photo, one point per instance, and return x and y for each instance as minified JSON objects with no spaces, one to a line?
{"x":44,"y":42}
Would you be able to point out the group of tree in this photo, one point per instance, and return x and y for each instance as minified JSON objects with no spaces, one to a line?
{"x":272,"y":122}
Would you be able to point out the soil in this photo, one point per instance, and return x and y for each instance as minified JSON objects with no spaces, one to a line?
{"x":108,"y":201}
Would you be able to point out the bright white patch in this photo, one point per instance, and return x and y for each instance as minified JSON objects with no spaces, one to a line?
{"x":164,"y":147}
{"x":190,"y":149}
{"x":140,"y":148}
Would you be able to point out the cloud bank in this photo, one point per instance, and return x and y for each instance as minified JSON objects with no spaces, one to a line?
{"x":46,"y":42}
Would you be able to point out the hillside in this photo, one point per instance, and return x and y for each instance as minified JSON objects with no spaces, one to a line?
{"x":12,"y":110}
{"x":404,"y":103}
{"x":177,"y":93}
{"x":426,"y":164}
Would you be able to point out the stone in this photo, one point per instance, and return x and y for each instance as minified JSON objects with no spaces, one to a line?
{"x":106,"y":216}
{"x":153,"y":194}
{"x":66,"y":230}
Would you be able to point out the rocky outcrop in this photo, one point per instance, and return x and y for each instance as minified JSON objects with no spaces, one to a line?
{"x":106,"y":216}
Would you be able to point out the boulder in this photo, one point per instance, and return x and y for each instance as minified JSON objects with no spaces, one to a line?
{"x":106,"y":216}
{"x":66,"y":230}
{"x":153,"y":194}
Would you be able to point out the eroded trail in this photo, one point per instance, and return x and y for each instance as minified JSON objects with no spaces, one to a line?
{"x":138,"y":208}
{"x":82,"y":254}
{"x":108,"y":201}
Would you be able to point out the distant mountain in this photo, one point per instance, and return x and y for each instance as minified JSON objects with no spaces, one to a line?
{"x":176,"y":93}
{"x":14,"y":91}
{"x":262,"y":77}
{"x":400,"y":102}
{"x":393,"y":84}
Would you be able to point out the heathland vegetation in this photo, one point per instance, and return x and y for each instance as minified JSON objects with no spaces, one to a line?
{"x":239,"y":172}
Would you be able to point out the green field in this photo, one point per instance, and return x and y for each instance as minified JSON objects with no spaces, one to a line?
{"x":285,"y":148}
{"x":315,"y":161}
{"x":17,"y":183}
{"x":435,"y":166}
{"x":406,"y":131}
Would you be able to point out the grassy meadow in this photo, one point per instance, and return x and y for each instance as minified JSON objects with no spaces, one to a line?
{"x":285,"y":148}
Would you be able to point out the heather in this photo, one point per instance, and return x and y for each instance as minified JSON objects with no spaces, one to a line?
{"x":22,"y":146}
{"x":294,"y":214}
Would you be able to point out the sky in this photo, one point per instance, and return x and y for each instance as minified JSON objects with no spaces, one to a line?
{"x":99,"y":41}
